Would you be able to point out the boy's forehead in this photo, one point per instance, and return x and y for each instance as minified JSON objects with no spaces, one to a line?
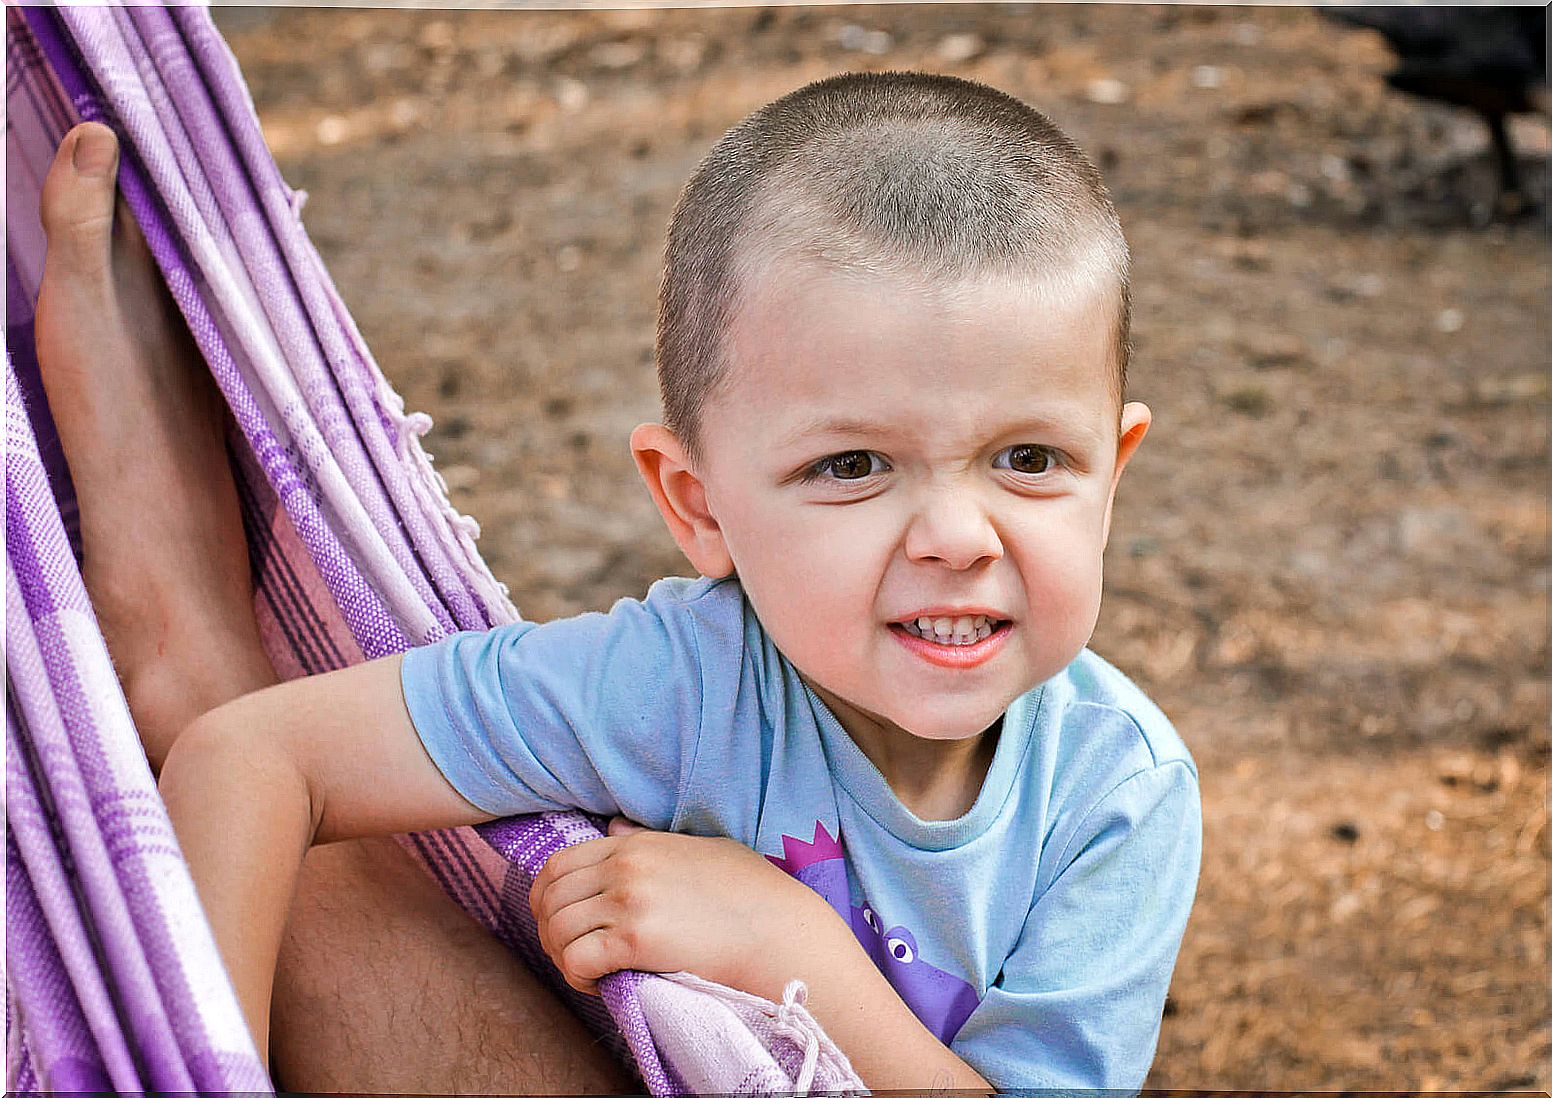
{"x":811,"y":346}
{"x":794,"y":314}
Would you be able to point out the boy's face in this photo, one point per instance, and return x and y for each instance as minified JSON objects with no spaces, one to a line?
{"x":880,"y":455}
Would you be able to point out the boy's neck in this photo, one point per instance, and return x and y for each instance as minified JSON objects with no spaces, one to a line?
{"x":935,"y":779}
{"x":948,"y":789}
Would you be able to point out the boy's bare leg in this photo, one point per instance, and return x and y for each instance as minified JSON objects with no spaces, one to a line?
{"x":384,"y":984}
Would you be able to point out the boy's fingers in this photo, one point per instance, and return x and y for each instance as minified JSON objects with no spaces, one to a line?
{"x":569,"y":860}
{"x":566,"y":890}
{"x":593,"y":955}
{"x":578,"y":920}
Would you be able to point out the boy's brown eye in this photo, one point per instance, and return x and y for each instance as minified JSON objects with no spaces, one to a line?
{"x":852,"y":466}
{"x":1029,"y":459}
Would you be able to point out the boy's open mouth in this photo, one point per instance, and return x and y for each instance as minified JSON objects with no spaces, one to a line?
{"x":952,"y":632}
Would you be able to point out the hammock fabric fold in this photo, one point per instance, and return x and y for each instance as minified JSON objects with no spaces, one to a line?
{"x":112,"y":978}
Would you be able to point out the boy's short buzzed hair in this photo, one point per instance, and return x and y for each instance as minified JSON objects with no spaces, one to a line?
{"x":913,"y":175}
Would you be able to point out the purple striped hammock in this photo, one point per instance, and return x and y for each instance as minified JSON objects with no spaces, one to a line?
{"x":112,"y":978}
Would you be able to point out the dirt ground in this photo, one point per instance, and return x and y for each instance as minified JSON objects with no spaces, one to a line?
{"x":1329,"y":562}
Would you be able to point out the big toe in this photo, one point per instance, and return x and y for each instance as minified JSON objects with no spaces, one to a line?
{"x":78,"y":197}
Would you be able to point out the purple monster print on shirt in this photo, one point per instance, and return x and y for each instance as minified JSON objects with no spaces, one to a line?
{"x":940,"y":999}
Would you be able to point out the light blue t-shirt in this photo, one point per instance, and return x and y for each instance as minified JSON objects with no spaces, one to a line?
{"x":1035,"y":935}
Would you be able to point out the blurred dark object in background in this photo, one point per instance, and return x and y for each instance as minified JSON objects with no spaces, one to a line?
{"x":1490,"y":60}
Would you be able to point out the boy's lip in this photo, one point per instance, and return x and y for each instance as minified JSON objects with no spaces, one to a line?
{"x":951,"y":612}
{"x":958,"y":656}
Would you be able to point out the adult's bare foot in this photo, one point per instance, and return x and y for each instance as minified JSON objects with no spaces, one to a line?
{"x":142,"y":427}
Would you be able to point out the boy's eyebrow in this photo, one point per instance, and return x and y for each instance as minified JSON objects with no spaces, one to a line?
{"x":843,"y":425}
{"x":851,"y":425}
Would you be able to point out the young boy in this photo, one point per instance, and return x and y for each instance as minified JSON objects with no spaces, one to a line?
{"x":871,"y":747}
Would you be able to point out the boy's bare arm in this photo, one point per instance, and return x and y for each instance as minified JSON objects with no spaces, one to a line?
{"x":252,"y":784}
{"x":887,"y":1044}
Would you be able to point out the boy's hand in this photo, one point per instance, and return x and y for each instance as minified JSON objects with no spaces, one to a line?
{"x":660,"y":902}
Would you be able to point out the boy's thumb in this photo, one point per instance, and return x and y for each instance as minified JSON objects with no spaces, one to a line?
{"x":621,"y":826}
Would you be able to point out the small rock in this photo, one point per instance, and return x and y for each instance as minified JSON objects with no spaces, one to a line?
{"x":381,"y":57}
{"x":1269,"y":181}
{"x":1430,"y":531}
{"x":404,"y":113}
{"x":1345,"y":906}
{"x":1247,"y":34}
{"x":1207,"y":77}
{"x":332,"y":129}
{"x":618,"y":55}
{"x":954,"y":48}
{"x":1496,"y":392}
{"x":1249,"y":400}
{"x":459,"y":478}
{"x":1455,"y":771}
{"x":571,"y":94}
{"x":684,"y":54}
{"x":568,"y":257}
{"x":1434,"y":821}
{"x":1449,"y":320}
{"x":554,"y":487}
{"x":1257,"y":114}
{"x":1346,"y":832}
{"x":1346,"y":288}
{"x":1247,"y":255}
{"x":1107,"y":91}
{"x":860,"y":39}
{"x":1271,"y":350}
{"x":1299,"y":195}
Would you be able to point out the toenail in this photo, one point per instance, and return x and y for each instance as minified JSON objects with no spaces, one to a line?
{"x":95,"y":150}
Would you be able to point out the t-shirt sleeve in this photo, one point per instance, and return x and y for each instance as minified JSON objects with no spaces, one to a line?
{"x":599,"y":712}
{"x":1079,"y":1002}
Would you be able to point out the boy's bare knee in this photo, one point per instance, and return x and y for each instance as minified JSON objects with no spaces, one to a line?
{"x":385,"y":985}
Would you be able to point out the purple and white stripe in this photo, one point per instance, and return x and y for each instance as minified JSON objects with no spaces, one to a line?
{"x":113,"y":980}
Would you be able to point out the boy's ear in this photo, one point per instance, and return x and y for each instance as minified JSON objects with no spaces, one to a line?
{"x":681,"y":498}
{"x":1136,"y":418}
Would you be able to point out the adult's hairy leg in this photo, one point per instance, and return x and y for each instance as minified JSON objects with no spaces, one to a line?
{"x":455,"y":1012}
{"x":383,"y":984}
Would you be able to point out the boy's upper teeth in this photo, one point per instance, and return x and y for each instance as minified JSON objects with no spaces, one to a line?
{"x":945,"y":627}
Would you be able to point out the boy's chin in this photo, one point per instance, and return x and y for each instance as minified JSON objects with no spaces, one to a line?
{"x":949,"y":726}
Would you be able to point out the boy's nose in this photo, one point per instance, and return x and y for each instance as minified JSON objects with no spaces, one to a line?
{"x":952,"y":527}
